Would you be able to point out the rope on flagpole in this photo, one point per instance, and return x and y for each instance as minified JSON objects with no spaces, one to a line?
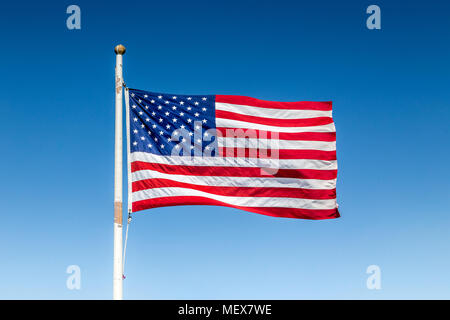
{"x":125,"y":244}
{"x":127,"y":107}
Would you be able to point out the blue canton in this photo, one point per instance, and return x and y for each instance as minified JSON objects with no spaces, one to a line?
{"x":155,"y":118}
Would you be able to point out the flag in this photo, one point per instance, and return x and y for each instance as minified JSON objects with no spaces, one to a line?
{"x":266,"y":157}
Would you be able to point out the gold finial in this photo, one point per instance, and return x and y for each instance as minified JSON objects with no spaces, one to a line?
{"x":120,"y":49}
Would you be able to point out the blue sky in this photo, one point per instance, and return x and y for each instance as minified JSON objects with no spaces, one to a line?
{"x":390,"y":93}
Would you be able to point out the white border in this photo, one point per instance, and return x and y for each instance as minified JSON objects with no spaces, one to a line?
{"x":127,"y":109}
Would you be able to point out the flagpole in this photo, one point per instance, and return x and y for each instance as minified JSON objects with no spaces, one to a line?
{"x":117,"y":268}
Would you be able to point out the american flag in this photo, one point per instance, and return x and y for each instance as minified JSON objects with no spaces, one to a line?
{"x":271,"y":158}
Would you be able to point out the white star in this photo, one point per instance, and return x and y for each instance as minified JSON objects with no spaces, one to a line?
{"x":161,"y":133}
{"x":156,"y":139}
{"x":142,"y":125}
{"x":196,"y":103}
{"x":203,"y":109}
{"x":159,"y":107}
{"x":148,"y":119}
{"x":199,"y":140}
{"x":134,"y":143}
{"x":132,"y":94}
{"x":207,"y":147}
{"x":141,"y":113}
{"x":167,"y":113}
{"x":204,"y":120}
{"x":145,"y":96}
{"x":175,"y":133}
{"x":153,"y":113}
{"x":135,"y":131}
{"x":197,"y":127}
{"x":152,"y":101}
{"x":189,"y":120}
{"x":174,"y":98}
{"x":192,"y":147}
{"x":183,"y":140}
{"x":196,"y":114}
{"x":181,"y":102}
{"x":149,"y":132}
{"x":159,"y":97}
{"x":189,"y":108}
{"x":189,"y":98}
{"x":160,"y":120}
{"x":182,"y":126}
{"x":140,"y":100}
{"x":169,"y":139}
{"x":146,"y":107}
{"x":174,"y":108}
{"x":168,"y":126}
{"x":149,"y":145}
{"x":190,"y":134}
{"x":154,"y":126}
{"x":181,"y":113}
{"x":177,"y":146}
{"x":204,"y":99}
{"x":206,"y":134}
{"x":134,"y":106}
{"x":167,"y":102}
{"x":142,"y":138}
{"x":162,"y":146}
{"x":174,"y":119}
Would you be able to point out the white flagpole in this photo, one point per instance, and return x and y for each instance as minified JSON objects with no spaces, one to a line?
{"x":117,"y":269}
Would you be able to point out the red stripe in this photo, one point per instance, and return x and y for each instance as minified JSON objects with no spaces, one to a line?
{"x":309,"y":122}
{"x":269,"y":211}
{"x":234,"y":171}
{"x":282,"y":153}
{"x":299,"y":105}
{"x":305,"y":136}
{"x":241,"y":191}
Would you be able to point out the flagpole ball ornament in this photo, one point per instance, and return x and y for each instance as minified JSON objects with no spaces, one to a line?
{"x":120,"y":49}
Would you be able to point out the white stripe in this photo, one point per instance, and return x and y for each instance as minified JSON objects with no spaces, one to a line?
{"x":276,"y":144}
{"x":224,"y":181}
{"x":272,"y":113}
{"x":238,"y":201}
{"x":236,"y":162}
{"x":228,"y":123}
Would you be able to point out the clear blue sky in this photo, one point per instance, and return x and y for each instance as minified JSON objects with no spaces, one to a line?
{"x":391,"y":96}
